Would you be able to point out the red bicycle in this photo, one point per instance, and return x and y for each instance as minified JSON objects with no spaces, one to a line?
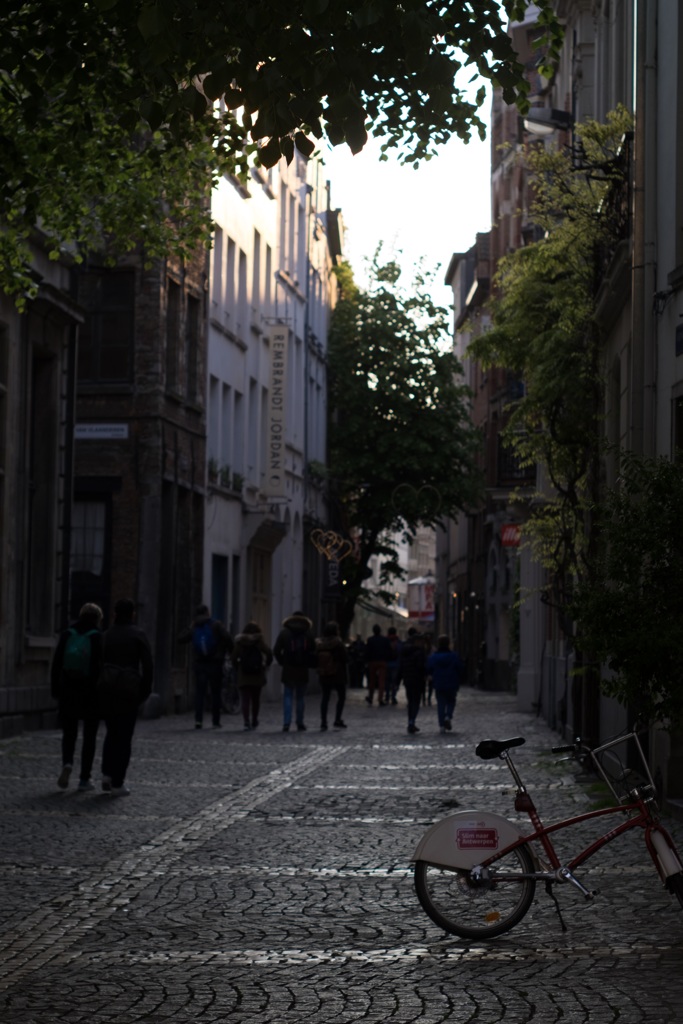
{"x":476,"y":872}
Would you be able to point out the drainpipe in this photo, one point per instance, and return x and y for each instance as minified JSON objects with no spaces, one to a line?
{"x":641,"y":384}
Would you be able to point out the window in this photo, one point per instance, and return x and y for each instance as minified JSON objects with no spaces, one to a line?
{"x":217,"y":267}
{"x":173,"y":296}
{"x":192,"y":337}
{"x":226,"y":424}
{"x":88,"y":526}
{"x":268,"y":276}
{"x":238,"y":437}
{"x":242,"y":300}
{"x":105,"y":348}
{"x":256,"y":274}
{"x":213,"y":418}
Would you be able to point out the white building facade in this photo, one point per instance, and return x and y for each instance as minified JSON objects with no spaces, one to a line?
{"x":271,"y":292}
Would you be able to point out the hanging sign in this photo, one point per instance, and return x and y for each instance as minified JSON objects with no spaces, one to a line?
{"x":510,"y":535}
{"x":277,"y":393}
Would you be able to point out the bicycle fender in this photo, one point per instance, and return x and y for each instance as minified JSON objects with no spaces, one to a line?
{"x":465,"y":839}
{"x":667,"y":858}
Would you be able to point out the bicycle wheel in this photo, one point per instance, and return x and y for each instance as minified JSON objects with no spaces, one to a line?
{"x":477,"y":909}
{"x":674,"y":884}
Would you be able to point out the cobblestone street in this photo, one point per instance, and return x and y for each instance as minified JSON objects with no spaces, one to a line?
{"x":266,"y":877}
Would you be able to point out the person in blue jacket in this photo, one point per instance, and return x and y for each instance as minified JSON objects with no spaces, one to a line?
{"x":446,"y":669}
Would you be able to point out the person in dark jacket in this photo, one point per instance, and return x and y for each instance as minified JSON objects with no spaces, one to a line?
{"x":294,"y":651}
{"x":377,"y":655}
{"x":412,"y":672}
{"x":356,"y":662}
{"x":75,"y":688}
{"x":445,"y":668}
{"x":252,"y":657}
{"x":391,"y":686}
{"x":210,"y":643}
{"x":126,"y":648}
{"x":331,"y":669}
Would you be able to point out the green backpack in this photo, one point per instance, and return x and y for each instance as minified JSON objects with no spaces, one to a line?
{"x":76,"y":661}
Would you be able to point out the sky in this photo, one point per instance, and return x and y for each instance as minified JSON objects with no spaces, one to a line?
{"x":430,"y":212}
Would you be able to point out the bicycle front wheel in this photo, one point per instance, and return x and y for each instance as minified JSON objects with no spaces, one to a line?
{"x":478,"y":909}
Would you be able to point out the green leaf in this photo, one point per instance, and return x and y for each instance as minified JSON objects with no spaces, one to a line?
{"x":269,"y":154}
{"x":304,"y":144}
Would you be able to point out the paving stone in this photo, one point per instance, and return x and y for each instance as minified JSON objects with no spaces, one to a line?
{"x":266,"y":877}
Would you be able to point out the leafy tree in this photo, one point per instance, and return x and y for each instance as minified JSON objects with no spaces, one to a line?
{"x":108,"y":119}
{"x":401,"y":447}
{"x":630,"y":608}
{"x":545,"y":329}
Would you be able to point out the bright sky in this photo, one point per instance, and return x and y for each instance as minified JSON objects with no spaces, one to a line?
{"x":433,"y":211}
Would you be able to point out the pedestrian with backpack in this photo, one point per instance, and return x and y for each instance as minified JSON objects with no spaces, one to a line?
{"x":211,"y":642}
{"x":295,"y":651}
{"x":331,"y":669}
{"x":126,"y":682}
{"x":252,"y":657}
{"x":74,"y":674}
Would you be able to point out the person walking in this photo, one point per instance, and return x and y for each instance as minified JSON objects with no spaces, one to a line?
{"x":377,"y":654}
{"x":126,"y":683}
{"x":252,"y":657}
{"x":210,"y":643}
{"x":74,"y":673}
{"x":412,"y":672}
{"x":356,"y":662}
{"x":294,"y":651}
{"x":391,"y":687}
{"x":445,"y":668}
{"x":331,"y":668}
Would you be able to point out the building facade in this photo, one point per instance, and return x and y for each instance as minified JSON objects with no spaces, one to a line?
{"x":37,"y":413}
{"x":272,"y":289}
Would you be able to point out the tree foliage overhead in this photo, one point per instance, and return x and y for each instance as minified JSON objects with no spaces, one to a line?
{"x":630,"y":609}
{"x":108,"y":107}
{"x":401,"y":447}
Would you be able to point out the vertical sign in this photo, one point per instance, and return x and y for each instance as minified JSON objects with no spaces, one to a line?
{"x":275,"y":441}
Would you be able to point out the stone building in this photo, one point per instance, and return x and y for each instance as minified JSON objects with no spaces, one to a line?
{"x":37,"y":413}
{"x":140,"y":442}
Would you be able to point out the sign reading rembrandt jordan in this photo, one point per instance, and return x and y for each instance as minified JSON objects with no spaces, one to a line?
{"x":275,"y":476}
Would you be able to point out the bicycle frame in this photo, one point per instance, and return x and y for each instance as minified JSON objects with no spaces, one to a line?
{"x":658,"y":841}
{"x":476,"y":840}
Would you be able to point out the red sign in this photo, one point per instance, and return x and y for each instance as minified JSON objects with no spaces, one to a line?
{"x":510,"y":534}
{"x":477,"y":838}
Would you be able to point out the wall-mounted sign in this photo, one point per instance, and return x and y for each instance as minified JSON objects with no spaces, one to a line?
{"x":101,"y":432}
{"x":277,"y":394}
{"x":510,"y":534}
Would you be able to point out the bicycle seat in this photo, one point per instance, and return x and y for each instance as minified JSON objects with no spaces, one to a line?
{"x":488,"y":749}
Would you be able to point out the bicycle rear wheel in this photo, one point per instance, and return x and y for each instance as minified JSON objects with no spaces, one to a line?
{"x":674,"y":884}
{"x":478,"y":909}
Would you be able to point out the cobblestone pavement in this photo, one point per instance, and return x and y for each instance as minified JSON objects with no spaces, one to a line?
{"x":265,"y":877}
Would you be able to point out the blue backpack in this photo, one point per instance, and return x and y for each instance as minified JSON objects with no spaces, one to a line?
{"x":204,"y":639}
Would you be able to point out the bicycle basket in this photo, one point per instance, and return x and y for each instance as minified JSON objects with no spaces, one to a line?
{"x":622,"y":765}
